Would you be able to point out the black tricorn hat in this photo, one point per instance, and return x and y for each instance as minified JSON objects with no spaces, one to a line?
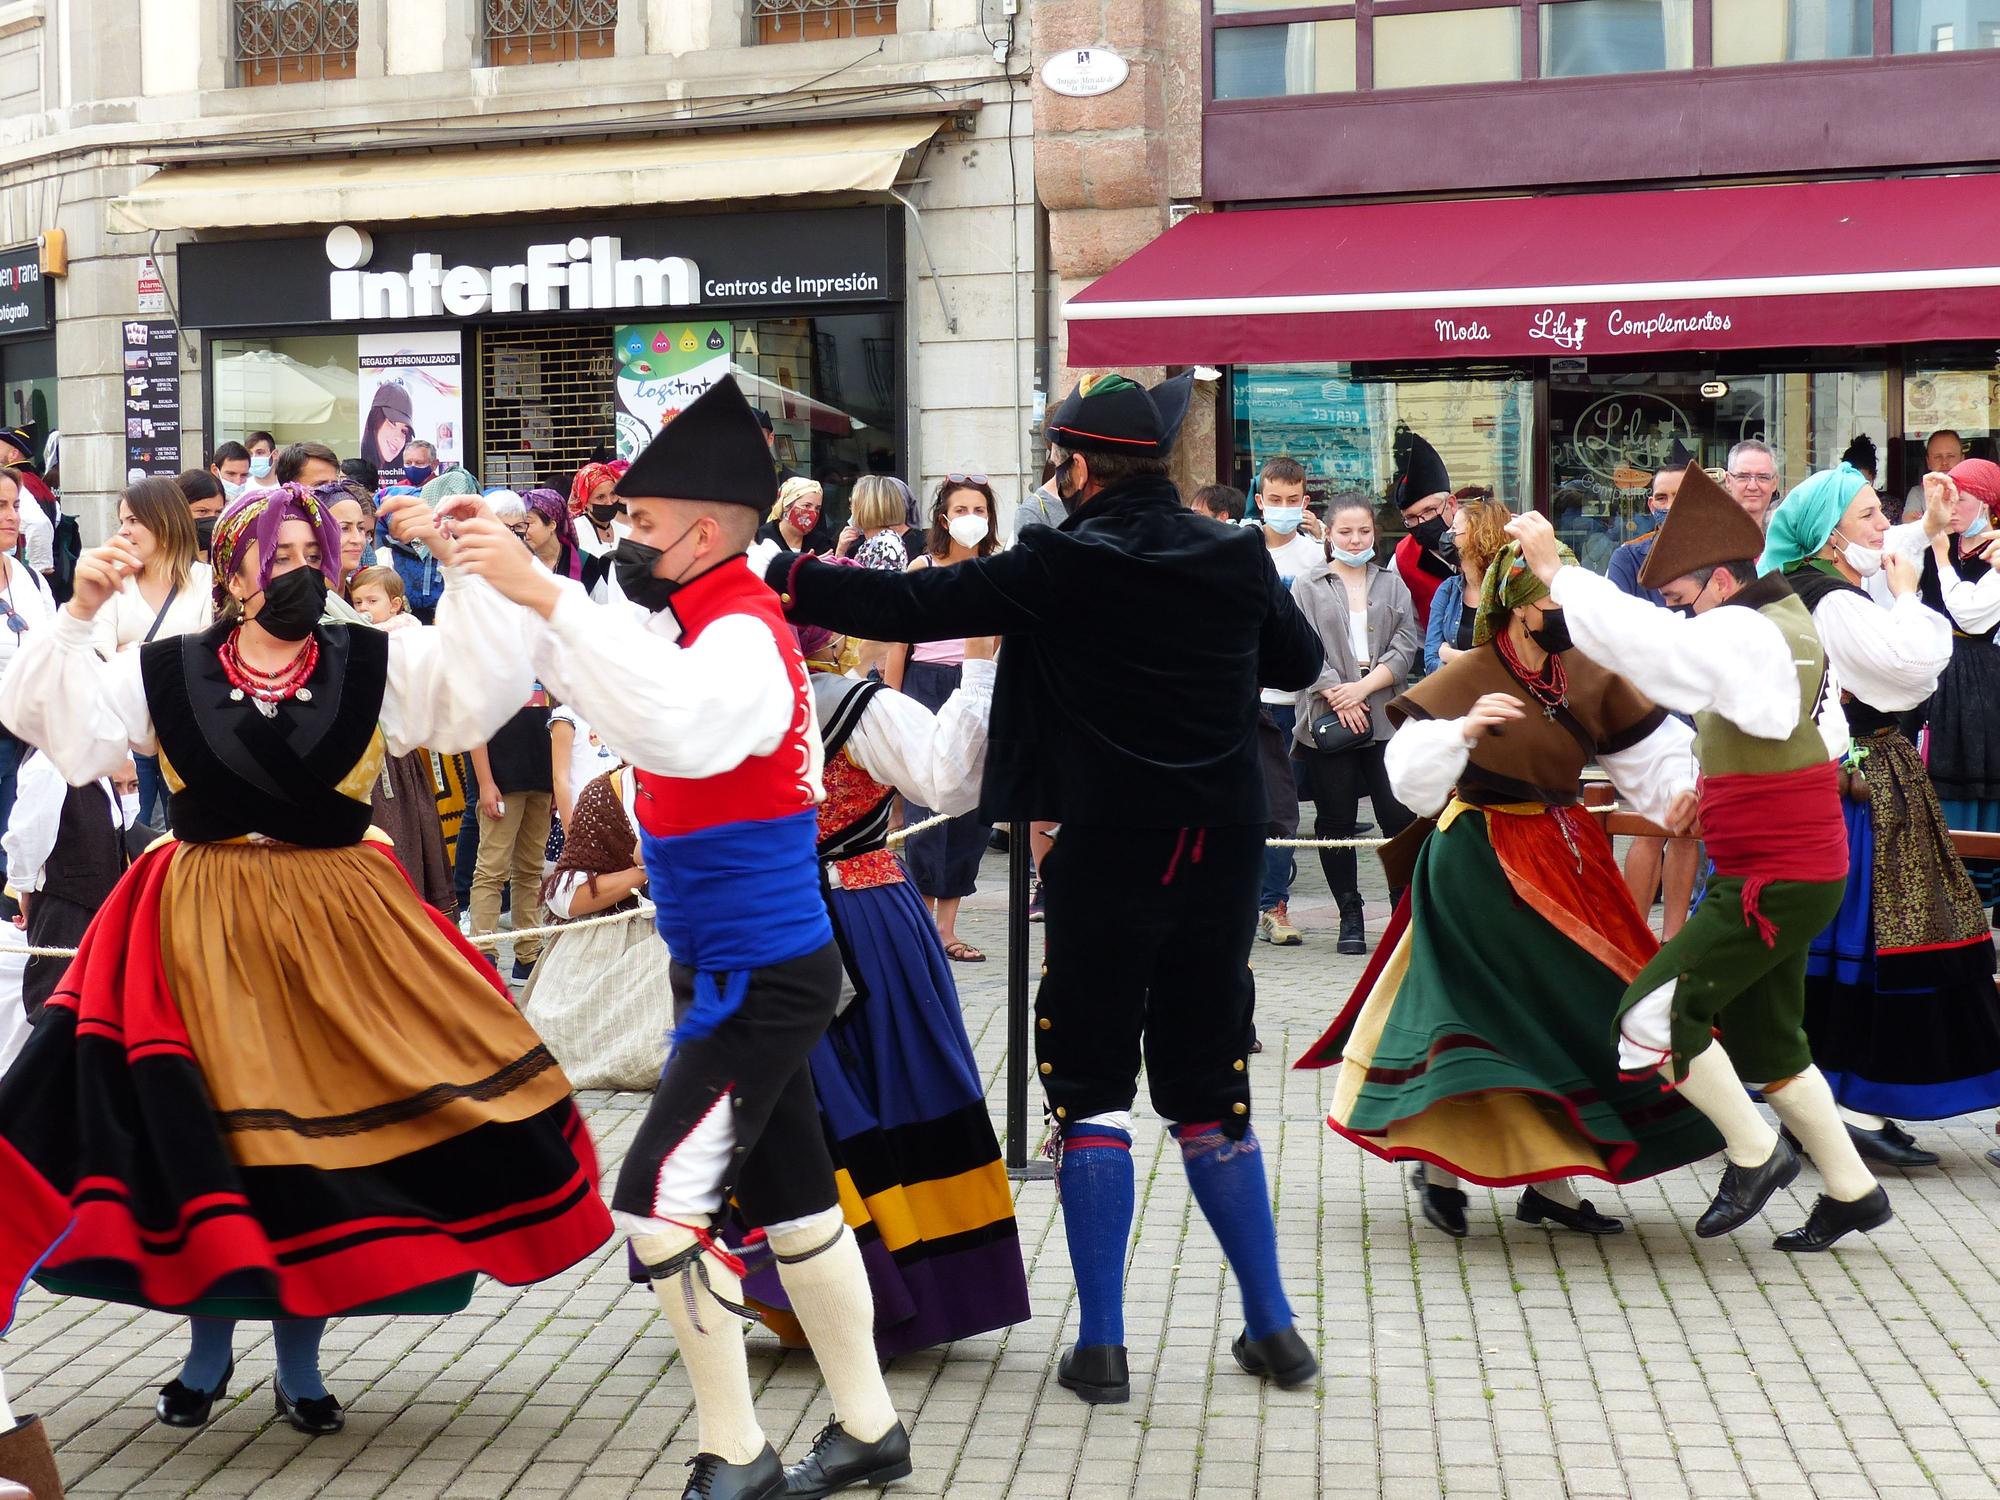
{"x":1705,"y":529}
{"x":1422,"y":474}
{"x":1115,"y":414}
{"x":712,"y":450}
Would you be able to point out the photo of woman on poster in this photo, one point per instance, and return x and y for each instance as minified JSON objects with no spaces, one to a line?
{"x":389,"y":425}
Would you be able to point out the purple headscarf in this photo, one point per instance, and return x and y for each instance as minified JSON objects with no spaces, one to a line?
{"x":554,"y":509}
{"x":256,"y":517}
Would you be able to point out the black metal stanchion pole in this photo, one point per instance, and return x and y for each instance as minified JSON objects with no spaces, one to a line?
{"x":1020,"y":1048}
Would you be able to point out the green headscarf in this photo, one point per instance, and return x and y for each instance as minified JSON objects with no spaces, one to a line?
{"x":1509,"y":584}
{"x":1806,"y":517}
{"x":451,"y":482}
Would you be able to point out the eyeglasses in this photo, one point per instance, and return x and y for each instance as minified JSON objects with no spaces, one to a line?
{"x":966,"y":479}
{"x":14,"y":621}
{"x":1753,"y":478}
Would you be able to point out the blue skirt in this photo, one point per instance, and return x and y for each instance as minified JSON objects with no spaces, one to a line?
{"x":1977,"y":817}
{"x":921,"y":1178}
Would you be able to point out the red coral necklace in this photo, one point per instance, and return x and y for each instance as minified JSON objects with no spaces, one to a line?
{"x":266,"y":690}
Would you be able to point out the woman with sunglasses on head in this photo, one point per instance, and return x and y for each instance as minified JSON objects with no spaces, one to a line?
{"x":944,"y":861}
{"x":245,"y":1099}
{"x":25,"y":604}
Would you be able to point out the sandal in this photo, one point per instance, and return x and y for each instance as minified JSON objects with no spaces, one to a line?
{"x":963,"y":953}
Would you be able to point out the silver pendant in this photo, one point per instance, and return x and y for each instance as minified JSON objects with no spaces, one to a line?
{"x":304,"y":695}
{"x":268,"y":710}
{"x":236,"y":695}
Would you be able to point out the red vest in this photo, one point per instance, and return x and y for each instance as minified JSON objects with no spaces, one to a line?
{"x":762,"y":787}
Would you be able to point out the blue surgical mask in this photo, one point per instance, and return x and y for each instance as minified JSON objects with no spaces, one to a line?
{"x":260,"y":466}
{"x":1978,"y":524}
{"x":231,"y":488}
{"x":1354,"y":559}
{"x":1284,"y":520}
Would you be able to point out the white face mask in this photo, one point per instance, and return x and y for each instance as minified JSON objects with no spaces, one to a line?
{"x":128,"y":806}
{"x":967,"y":531}
{"x":1867,"y":561}
{"x":1284,"y":519}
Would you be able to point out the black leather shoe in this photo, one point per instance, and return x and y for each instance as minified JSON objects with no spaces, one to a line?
{"x":1444,"y":1207}
{"x":183,"y":1406}
{"x":1281,"y":1358}
{"x":840,"y":1461}
{"x":1534,"y":1208}
{"x":763,"y":1478}
{"x":1892,"y":1145}
{"x":1745,"y":1191}
{"x":1830,"y":1219}
{"x":315,"y":1416}
{"x":1994,"y":1156}
{"x":1097,"y":1373}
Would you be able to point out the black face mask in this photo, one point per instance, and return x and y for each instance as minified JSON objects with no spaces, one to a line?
{"x":632,"y":565}
{"x":293,"y":604}
{"x":1552,"y":635}
{"x":1685,"y":611}
{"x":1431,"y":533}
{"x":204,"y":532}
{"x":604,"y":515}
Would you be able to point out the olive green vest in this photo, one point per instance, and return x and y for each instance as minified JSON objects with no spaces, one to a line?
{"x":1725,"y":750}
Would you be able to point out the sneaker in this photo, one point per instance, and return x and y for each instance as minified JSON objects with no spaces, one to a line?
{"x":1035,"y":903}
{"x":1275,"y":927}
{"x":522,"y":971}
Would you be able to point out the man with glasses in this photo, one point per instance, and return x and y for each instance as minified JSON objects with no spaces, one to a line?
{"x":1753,"y":478}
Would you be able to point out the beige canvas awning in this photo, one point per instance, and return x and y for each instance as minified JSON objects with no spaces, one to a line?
{"x":859,"y":156}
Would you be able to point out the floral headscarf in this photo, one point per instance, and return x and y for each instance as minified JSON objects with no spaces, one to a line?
{"x":588,"y":478}
{"x":1509,"y":584}
{"x":256,"y":517}
{"x":549,"y":505}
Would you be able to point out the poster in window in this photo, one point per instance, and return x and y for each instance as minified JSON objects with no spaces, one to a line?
{"x":152,"y":399}
{"x":412,"y":390}
{"x":661,"y":368}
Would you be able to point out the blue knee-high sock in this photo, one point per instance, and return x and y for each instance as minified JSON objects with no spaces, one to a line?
{"x":1228,"y":1182}
{"x":298,"y":1356}
{"x":209,"y":1348}
{"x":1095,"y":1182}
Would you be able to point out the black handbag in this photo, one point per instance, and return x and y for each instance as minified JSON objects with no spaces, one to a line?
{"x":1330,"y":736}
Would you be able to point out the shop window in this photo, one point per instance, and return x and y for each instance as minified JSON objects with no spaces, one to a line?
{"x":1776,"y":31}
{"x":295,"y":41}
{"x":822,"y":20}
{"x":1945,"y":25}
{"x":28,"y":387}
{"x":1305,"y":57}
{"x":1581,"y":38}
{"x":1612,"y":429}
{"x":540,"y":31}
{"x":304,"y":389}
{"x":1343,"y":424}
{"x":1951,"y":409}
{"x":1458,"y":46}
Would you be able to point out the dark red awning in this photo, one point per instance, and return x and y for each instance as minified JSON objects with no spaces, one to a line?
{"x":1886,"y":261}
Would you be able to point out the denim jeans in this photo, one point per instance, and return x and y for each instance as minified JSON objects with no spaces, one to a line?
{"x":1281,"y":866}
{"x":11,"y":751}
{"x":152,"y":791}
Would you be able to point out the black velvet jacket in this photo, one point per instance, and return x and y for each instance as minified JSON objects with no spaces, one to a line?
{"x":1137,"y":637}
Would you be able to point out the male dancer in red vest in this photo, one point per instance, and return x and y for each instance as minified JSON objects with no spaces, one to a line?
{"x":720,"y":725}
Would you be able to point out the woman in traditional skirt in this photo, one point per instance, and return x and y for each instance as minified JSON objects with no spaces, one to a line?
{"x":1962,"y":720}
{"x":404,"y":802}
{"x":600,"y":997}
{"x":1900,"y":1005}
{"x":921,"y":1178}
{"x":1479,"y":1041}
{"x":274,"y":1084}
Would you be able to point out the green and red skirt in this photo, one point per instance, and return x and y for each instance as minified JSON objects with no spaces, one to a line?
{"x":1480,"y":1035}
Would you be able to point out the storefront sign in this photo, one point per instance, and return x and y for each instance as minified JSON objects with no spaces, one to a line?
{"x":412,"y":389}
{"x":1085,"y":72}
{"x":511,"y":271}
{"x":24,"y":294}
{"x":661,"y":368}
{"x":1633,"y":432}
{"x":152,"y":399}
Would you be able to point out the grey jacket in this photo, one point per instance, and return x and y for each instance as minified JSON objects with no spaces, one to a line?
{"x":1393,"y":640}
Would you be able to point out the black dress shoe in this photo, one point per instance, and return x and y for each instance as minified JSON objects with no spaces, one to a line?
{"x":1994,"y":1156}
{"x":1745,"y":1191}
{"x":1892,"y":1145}
{"x":1096,"y":1372}
{"x":315,"y":1416}
{"x":839,"y":1460}
{"x":1830,"y":1219}
{"x":183,"y":1406}
{"x":1444,"y":1207}
{"x":763,"y":1478}
{"x":1535,"y":1207}
{"x":1281,"y":1358}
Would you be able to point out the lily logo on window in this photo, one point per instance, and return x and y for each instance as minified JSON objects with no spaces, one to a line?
{"x":1558,"y":328}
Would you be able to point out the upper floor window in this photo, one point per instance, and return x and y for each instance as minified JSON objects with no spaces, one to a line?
{"x":1305,"y":57}
{"x":1427,"y":49}
{"x":1945,"y":25}
{"x":1775,"y":31}
{"x":538,"y":31}
{"x":295,"y":41}
{"x":822,"y":20}
{"x":1581,"y":38}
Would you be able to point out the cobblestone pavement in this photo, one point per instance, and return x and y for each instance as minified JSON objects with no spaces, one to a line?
{"x":1516,"y":1363}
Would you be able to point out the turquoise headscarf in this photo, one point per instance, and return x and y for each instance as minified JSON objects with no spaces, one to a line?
{"x":1807,"y":516}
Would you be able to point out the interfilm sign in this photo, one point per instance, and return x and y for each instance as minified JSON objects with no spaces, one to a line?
{"x":24,"y":294}
{"x":357,"y":275}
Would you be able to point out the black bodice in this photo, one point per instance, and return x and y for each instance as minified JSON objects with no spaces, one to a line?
{"x":244,"y":773}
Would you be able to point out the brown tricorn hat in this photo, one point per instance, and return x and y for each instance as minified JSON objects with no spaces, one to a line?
{"x":1704,"y":529}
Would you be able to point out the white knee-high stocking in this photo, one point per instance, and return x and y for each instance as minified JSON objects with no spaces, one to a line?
{"x":711,"y":1342}
{"x":1712,"y":1087}
{"x":820,"y":1266}
{"x":1805,"y":1104}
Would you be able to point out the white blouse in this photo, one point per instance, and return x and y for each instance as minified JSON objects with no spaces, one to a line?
{"x":448,"y":688}
{"x":27,"y":594}
{"x":126,"y":617}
